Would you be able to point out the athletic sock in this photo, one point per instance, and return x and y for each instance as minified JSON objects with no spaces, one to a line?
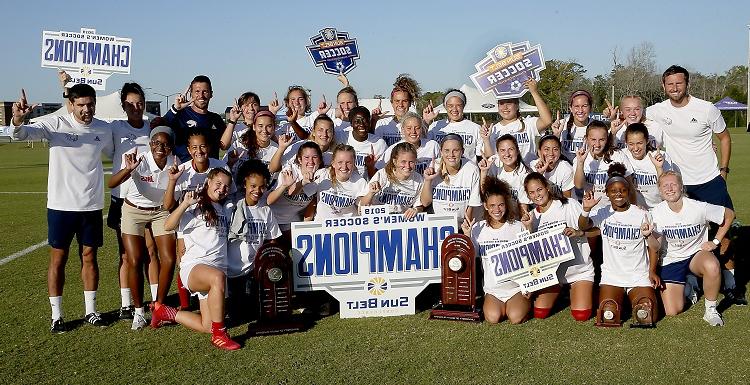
{"x":139,"y":311}
{"x":154,"y":290}
{"x":125,"y":300}
{"x":217,"y":328}
{"x":89,"y":297}
{"x":711,"y":304}
{"x":541,"y":312}
{"x":56,"y":304}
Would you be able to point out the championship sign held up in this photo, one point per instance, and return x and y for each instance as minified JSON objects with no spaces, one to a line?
{"x":374,"y":265}
{"x":506,"y":67}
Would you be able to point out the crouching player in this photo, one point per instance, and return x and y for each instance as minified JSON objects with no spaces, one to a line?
{"x":252,"y":224}
{"x":203,"y":223}
{"x":682,"y":223}
{"x":628,"y":265}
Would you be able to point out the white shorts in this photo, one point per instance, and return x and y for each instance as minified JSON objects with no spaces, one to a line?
{"x":568,"y":274}
{"x":503,"y":291}
{"x":185,"y":269}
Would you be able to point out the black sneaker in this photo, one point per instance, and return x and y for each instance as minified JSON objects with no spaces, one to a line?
{"x":127,"y":312}
{"x":58,"y":326}
{"x":734,"y":298}
{"x":95,"y":319}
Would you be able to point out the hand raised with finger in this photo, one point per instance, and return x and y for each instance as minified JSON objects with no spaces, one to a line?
{"x":175,"y":171}
{"x":274,"y":106}
{"x":323,"y":106}
{"x":132,"y":160}
{"x":180,"y":102}
{"x":428,"y":113}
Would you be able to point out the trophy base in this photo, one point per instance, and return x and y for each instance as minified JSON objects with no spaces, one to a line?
{"x":441,"y":312}
{"x":607,"y":325}
{"x":275,"y":328}
{"x":643,"y":326}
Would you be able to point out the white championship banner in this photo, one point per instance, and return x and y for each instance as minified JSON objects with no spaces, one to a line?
{"x":374,"y":265}
{"x":87,"y":57}
{"x":531,"y":260}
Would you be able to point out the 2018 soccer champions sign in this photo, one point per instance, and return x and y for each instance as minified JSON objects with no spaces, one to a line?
{"x":374,"y":265}
{"x":334,"y":51}
{"x":87,"y":57}
{"x":506,"y":67}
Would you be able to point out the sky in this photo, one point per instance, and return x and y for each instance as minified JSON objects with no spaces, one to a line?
{"x":260,"y":46}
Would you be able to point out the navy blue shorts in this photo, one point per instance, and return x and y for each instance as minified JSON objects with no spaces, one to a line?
{"x":86,"y":226}
{"x":714,"y":192}
{"x":115,"y":212}
{"x":676,"y":272}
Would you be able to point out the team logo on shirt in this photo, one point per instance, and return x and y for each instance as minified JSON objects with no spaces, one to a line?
{"x":191,"y":123}
{"x":71,"y":137}
{"x":96,"y":139}
{"x":693,"y":120}
{"x":333,"y":51}
{"x":667,"y":121}
{"x":506,"y":66}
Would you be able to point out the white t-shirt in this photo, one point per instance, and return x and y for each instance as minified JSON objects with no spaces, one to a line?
{"x":192,"y":179}
{"x":688,"y":134}
{"x":259,"y":225}
{"x":389,"y":130}
{"x":203,"y":244}
{"x":427,"y":151}
{"x":458,"y":192}
{"x":513,"y":178}
{"x":340,"y":200}
{"x":567,"y":214}
{"x":561,"y":176}
{"x":655,"y":135}
{"x":595,"y":172}
{"x":468,"y":130}
{"x":127,"y":138}
{"x":239,"y":129}
{"x":486,"y":238}
{"x":75,"y":181}
{"x":363,"y":149}
{"x":149,"y":181}
{"x":306,"y":122}
{"x":526,"y":139}
{"x":289,"y":208}
{"x":398,"y":195}
{"x":264,"y":155}
{"x":684,"y":231}
{"x":290,"y":154}
{"x":624,"y":253}
{"x":646,"y":179}
{"x":571,"y":144}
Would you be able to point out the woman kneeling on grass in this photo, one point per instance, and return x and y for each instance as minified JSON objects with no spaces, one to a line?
{"x":203,"y":223}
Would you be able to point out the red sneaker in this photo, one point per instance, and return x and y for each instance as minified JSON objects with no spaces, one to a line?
{"x":222,"y":341}
{"x":162,"y":315}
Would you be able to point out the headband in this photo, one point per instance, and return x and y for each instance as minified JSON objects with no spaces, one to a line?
{"x":614,"y":179}
{"x":455,"y":93}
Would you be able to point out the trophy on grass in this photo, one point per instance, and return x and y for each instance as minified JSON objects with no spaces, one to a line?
{"x":643,"y":313}
{"x":458,"y":284}
{"x":273,"y":275}
{"x":608,"y":314}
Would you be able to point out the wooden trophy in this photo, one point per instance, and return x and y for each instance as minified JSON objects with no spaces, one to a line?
{"x":273,"y":275}
{"x":608,"y":314}
{"x":643,"y":314}
{"x":458,"y":285}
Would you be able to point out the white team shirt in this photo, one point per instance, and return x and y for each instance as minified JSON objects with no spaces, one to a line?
{"x":526,"y":139}
{"x":688,"y":134}
{"x":427,"y":151}
{"x":290,"y":154}
{"x":363,"y":149}
{"x":127,"y":138}
{"x":239,"y":129}
{"x":486,"y":238}
{"x":595,"y":172}
{"x":149,"y":181}
{"x":655,"y":135}
{"x":203,"y":244}
{"x":566,"y":214}
{"x":192,"y":179}
{"x":646,"y":179}
{"x":398,"y":195}
{"x":75,"y":181}
{"x":257,"y":225}
{"x":466,"y":129}
{"x":684,"y":231}
{"x":341,"y":200}
{"x":572,"y":139}
{"x":264,"y":155}
{"x":306,"y":122}
{"x":389,"y":130}
{"x":513,"y":178}
{"x":624,"y":253}
{"x":561,"y":175}
{"x":454,"y":195}
{"x":289,"y":208}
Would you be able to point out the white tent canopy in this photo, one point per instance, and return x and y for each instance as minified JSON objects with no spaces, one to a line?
{"x":477,"y":102}
{"x":108,"y":108}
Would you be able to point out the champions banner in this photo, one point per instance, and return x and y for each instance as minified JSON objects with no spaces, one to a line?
{"x":374,"y":265}
{"x":334,"y":51}
{"x":506,"y":67}
{"x":87,"y":57}
{"x":531,"y":260}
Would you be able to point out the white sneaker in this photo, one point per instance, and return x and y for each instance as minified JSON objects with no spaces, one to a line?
{"x":138,"y":322}
{"x":713,"y":317}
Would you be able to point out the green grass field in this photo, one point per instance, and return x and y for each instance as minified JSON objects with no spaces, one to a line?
{"x":401,"y":350}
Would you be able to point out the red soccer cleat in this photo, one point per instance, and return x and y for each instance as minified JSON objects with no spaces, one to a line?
{"x":162,"y":315}
{"x":222,"y":341}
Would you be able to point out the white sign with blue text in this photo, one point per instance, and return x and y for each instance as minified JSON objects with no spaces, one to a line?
{"x":531,"y":260}
{"x":89,"y":58}
{"x":374,"y":265}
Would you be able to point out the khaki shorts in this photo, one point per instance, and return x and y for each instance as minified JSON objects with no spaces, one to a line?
{"x":134,"y":221}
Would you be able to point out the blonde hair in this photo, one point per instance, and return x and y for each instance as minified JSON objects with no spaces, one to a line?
{"x":397,"y":150}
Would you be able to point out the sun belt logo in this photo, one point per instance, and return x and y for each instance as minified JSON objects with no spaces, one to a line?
{"x":377,"y":285}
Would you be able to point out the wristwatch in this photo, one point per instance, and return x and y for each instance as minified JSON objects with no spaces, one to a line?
{"x":716,"y":241}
